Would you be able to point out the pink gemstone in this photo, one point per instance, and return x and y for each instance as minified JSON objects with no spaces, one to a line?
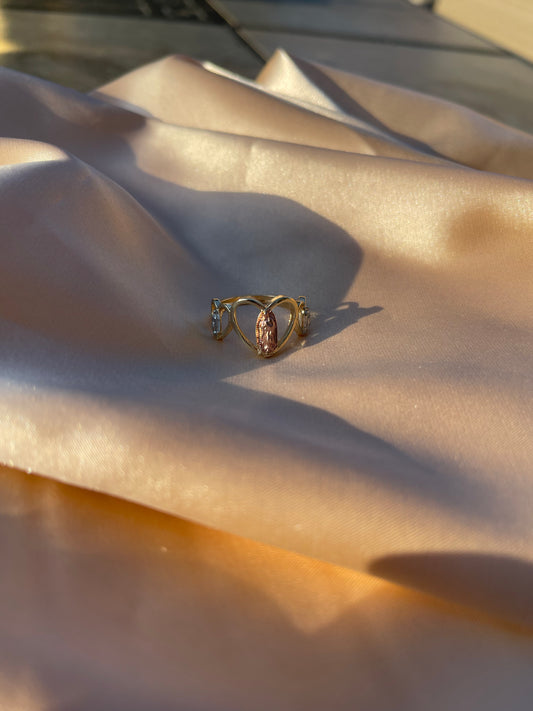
{"x":266,"y":333}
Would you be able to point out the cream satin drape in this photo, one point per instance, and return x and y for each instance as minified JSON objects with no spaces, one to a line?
{"x":348,"y":525}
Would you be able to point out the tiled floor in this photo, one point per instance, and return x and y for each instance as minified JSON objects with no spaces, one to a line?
{"x":499,"y":86}
{"x":393,"y":41}
{"x":84,"y":51}
{"x":170,"y":9}
{"x":398,"y":22}
{"x":390,"y":40}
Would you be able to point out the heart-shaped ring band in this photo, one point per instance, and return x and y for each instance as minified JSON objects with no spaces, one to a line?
{"x":267,"y":341}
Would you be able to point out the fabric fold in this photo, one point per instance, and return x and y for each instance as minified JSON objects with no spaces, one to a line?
{"x":396,"y":440}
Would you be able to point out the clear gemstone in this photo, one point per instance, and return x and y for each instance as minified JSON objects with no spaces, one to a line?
{"x":266,"y":333}
{"x":216,"y":325}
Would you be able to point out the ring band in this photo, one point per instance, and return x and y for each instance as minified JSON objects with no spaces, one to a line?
{"x":267,"y":343}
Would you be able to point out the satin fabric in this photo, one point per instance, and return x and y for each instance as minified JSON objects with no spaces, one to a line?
{"x":346,"y":525}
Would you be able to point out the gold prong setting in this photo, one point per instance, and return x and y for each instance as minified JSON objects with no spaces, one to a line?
{"x":304,"y":317}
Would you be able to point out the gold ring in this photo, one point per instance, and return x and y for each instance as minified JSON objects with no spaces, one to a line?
{"x":267,"y":343}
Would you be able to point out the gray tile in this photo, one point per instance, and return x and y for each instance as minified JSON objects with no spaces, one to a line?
{"x":170,"y":9}
{"x":119,"y":7}
{"x":85,"y":51}
{"x":400,"y":23}
{"x":219,"y":4}
{"x":499,"y":86}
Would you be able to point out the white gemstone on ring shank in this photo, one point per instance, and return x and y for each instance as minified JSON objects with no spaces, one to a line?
{"x":216,"y":326}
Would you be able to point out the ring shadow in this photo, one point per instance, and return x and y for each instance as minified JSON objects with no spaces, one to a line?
{"x":346,"y":314}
